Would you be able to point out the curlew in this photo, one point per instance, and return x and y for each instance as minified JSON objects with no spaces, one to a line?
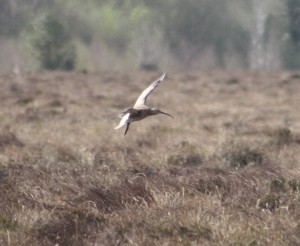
{"x":140,"y":110}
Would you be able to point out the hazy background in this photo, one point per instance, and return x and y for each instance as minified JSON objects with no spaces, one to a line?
{"x":95,"y":35}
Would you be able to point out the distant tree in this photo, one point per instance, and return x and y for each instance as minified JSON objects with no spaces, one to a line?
{"x":112,"y":26}
{"x":51,"y":43}
{"x":294,"y":22}
{"x":292,"y":58}
{"x":192,"y":26}
{"x":147,"y":40}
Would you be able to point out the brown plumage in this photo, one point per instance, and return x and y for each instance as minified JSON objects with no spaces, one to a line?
{"x":140,"y":110}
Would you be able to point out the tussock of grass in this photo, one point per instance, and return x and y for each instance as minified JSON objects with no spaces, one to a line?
{"x":241,"y":155}
{"x":9,"y":139}
{"x":185,"y":159}
{"x":282,"y":136}
{"x":69,"y":227}
{"x":225,"y":172}
{"x":127,"y":194}
{"x":185,"y":154}
{"x":7,"y":223}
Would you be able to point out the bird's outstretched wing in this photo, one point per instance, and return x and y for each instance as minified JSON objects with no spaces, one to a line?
{"x":123,"y":121}
{"x":141,"y":101}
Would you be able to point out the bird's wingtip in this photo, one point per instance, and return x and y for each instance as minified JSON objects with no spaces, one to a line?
{"x":163,"y":76}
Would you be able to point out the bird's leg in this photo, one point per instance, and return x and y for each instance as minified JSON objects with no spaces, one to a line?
{"x":127,"y":127}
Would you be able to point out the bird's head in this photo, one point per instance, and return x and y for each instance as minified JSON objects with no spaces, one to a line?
{"x":158,"y":111}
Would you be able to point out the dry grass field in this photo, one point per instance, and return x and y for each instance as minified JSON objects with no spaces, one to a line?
{"x":225,"y":171}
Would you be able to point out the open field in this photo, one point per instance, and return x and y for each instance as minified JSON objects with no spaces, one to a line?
{"x":225,"y":171}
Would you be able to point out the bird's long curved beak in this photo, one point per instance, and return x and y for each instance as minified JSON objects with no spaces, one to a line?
{"x":166,"y":114}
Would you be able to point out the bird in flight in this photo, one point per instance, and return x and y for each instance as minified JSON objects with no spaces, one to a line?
{"x":140,"y":110}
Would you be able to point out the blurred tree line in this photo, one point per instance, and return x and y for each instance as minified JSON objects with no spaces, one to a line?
{"x":154,"y":34}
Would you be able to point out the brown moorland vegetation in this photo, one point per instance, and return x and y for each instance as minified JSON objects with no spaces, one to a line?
{"x":226,"y":171}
